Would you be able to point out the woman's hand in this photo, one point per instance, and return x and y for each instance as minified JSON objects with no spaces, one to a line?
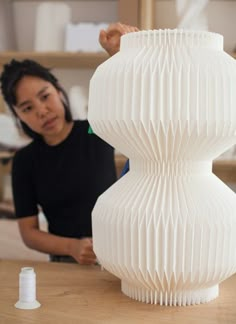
{"x":82,"y":251}
{"x":110,"y":38}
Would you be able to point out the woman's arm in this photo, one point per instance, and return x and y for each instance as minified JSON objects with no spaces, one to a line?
{"x":80,"y":249}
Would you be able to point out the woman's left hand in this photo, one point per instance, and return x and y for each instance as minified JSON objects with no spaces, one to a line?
{"x":110,"y":38}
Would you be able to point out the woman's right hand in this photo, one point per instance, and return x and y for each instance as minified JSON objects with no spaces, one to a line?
{"x":82,"y":251}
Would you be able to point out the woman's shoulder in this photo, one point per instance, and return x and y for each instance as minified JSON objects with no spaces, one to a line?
{"x":81,"y":124}
{"x":81,"y":128}
{"x":26,"y":153}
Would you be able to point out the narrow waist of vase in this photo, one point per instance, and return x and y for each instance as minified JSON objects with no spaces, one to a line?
{"x":171,"y":168}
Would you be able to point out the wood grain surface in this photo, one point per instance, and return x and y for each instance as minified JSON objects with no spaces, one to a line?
{"x":70,"y":293}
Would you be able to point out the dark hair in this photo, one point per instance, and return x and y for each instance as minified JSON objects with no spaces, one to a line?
{"x":13,"y":72}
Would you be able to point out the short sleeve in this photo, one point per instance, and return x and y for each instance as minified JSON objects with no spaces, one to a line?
{"x":24,"y":194}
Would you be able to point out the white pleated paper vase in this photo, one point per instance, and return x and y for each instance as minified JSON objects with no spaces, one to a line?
{"x":167,"y":229}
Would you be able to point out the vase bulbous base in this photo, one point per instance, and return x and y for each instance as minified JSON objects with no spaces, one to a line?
{"x":179,"y":298}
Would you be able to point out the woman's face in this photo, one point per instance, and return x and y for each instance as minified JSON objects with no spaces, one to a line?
{"x":39,"y":106}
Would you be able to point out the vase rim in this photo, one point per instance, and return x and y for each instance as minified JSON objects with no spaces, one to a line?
{"x":174,"y":37}
{"x":177,"y":30}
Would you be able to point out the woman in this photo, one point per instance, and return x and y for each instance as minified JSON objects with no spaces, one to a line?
{"x":64,"y":169}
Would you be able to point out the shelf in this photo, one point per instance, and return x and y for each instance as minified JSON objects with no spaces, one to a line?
{"x":4,"y":155}
{"x":58,"y":59}
{"x":57,"y":0}
{"x":62,"y":59}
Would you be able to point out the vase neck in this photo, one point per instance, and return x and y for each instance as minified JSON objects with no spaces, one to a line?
{"x":171,"y":168}
{"x":172,"y":37}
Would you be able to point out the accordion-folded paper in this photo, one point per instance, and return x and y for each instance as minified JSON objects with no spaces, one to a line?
{"x":167,"y":228}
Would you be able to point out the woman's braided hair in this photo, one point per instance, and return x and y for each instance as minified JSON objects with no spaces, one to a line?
{"x":14,"y":71}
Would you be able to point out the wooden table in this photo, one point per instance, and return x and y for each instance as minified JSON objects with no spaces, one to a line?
{"x":74,"y":294}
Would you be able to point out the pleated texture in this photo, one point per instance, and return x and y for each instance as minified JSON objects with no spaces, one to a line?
{"x":167,"y":101}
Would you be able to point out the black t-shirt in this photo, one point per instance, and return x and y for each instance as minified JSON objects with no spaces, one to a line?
{"x":65,"y":180}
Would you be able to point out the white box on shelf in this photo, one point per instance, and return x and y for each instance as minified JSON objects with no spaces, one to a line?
{"x":83,"y":37}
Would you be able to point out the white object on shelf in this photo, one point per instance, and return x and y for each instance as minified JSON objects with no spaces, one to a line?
{"x":167,"y":228}
{"x":83,"y":37}
{"x":192,"y":14}
{"x":9,"y":134}
{"x":51,"y":21}
{"x":7,"y":34}
{"x":78,"y":96}
{"x":27,"y":289}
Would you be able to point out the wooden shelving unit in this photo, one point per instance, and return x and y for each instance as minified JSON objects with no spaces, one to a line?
{"x":56,"y":0}
{"x":133,"y":12}
{"x":58,"y":59}
{"x":61,"y":59}
{"x":5,"y":168}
